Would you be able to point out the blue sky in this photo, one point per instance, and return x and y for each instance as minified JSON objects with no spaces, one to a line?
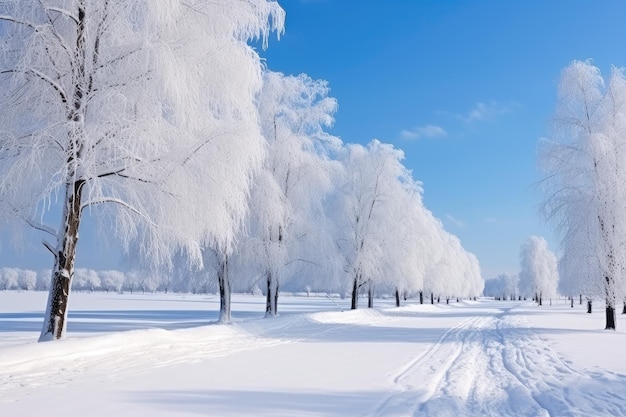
{"x":465,"y":88}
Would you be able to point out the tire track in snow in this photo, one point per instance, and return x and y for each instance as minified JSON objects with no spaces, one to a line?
{"x":498,"y":366}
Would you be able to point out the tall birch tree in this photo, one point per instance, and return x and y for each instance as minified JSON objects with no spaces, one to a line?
{"x":584,"y":164}
{"x":141,"y":111}
{"x":286,"y":199}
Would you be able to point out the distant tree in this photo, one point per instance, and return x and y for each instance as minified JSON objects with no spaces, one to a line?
{"x":85,"y":279}
{"x":27,"y":279}
{"x":503,"y":286}
{"x":585,"y":169}
{"x":9,"y":278}
{"x":112,"y":280}
{"x":538,"y":276}
{"x":140,"y":111}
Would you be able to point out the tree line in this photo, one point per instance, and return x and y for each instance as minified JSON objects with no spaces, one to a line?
{"x":162,"y":121}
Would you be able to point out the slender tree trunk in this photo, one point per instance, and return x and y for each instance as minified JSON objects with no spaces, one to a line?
{"x":610,"y":317}
{"x":55,"y":320}
{"x":370,"y":296}
{"x":610,"y":303}
{"x":355,"y":293}
{"x":589,"y":306}
{"x":624,"y":310}
{"x":572,"y":302}
{"x":581,"y":299}
{"x":421,"y":297}
{"x":271,"y":302}
{"x":397,"y":298}
{"x":224,"y":286}
{"x":276,"y":291}
{"x":432,"y":298}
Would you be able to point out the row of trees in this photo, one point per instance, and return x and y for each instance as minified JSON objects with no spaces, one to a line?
{"x":162,"y":121}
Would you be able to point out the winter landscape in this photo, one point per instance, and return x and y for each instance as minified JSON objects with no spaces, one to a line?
{"x":189,"y":225}
{"x":163,"y":355}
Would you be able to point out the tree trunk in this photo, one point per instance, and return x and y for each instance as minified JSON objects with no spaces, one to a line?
{"x":397,"y":298}
{"x":55,"y":320}
{"x":581,"y":299}
{"x":432,"y":298}
{"x":421,"y":297}
{"x":610,"y":317}
{"x":624,"y":310}
{"x":609,"y":291}
{"x":370,"y":297}
{"x":588,"y":306}
{"x":355,"y":293}
{"x":572,"y":302}
{"x":272,"y":295}
{"x":224,"y":286}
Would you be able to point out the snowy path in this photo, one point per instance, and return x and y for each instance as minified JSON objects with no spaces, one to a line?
{"x":495,"y":365}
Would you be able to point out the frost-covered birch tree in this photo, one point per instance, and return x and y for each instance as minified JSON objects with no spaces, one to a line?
{"x":538,"y":274}
{"x":364,"y":211}
{"x":585,"y":169}
{"x":287,"y":194}
{"x":141,"y":111}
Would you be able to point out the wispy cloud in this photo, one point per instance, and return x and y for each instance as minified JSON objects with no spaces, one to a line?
{"x":421,"y":132}
{"x":458,"y":223}
{"x":484,"y":111}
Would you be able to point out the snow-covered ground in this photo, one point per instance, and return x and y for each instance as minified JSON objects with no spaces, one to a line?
{"x":161,"y":355}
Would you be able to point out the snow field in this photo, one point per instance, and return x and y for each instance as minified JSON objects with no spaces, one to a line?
{"x":481,"y":358}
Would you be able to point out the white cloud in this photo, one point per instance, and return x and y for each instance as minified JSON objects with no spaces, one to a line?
{"x":458,"y":223}
{"x":487,"y":111}
{"x":420,"y":132}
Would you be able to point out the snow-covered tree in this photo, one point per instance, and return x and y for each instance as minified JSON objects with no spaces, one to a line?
{"x":503,"y":286}
{"x":364,"y":215}
{"x":140,"y":111}
{"x":86,"y":279}
{"x":112,"y":280}
{"x":8,"y":278}
{"x":27,"y":279}
{"x":585,"y":169}
{"x":538,"y":274}
{"x":287,"y":194}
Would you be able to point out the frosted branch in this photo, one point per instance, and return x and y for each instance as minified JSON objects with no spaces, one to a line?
{"x":49,"y":246}
{"x":11,"y":19}
{"x":63,"y":12}
{"x":42,"y":227}
{"x":119,"y":202}
{"x":56,"y":86}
